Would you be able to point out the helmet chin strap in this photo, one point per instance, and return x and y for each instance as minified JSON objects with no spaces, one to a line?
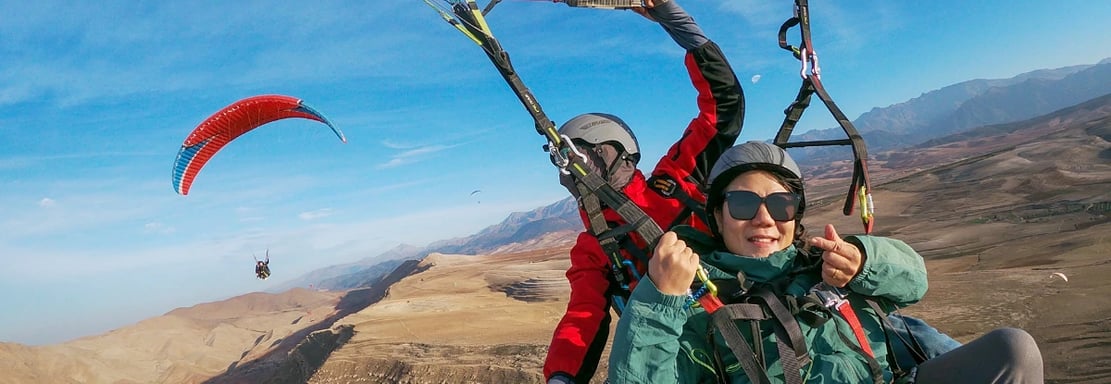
{"x":612,"y":166}
{"x":621,"y":168}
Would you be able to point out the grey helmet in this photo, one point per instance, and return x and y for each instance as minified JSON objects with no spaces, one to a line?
{"x":597,"y":128}
{"x":753,"y":155}
{"x":616,"y":161}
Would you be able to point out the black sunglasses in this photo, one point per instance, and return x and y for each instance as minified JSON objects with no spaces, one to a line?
{"x":743,"y":205}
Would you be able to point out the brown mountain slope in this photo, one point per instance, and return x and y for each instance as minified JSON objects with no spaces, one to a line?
{"x":994,"y":226}
{"x":182,"y":346}
{"x":467,"y":319}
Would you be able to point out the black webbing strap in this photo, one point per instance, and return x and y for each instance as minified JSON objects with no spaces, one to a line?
{"x":873,"y":366}
{"x":787,"y":322}
{"x":723,"y":320}
{"x":812,"y":84}
{"x":593,"y":192}
{"x":472,"y":21}
{"x":668,"y":187}
{"x":758,"y":347}
{"x":912,"y":345}
{"x":633,"y":249}
{"x":630,"y":212}
{"x":788,"y":362}
{"x":609,"y":245}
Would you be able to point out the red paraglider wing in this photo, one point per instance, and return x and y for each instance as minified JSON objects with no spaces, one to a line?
{"x":229,"y":123}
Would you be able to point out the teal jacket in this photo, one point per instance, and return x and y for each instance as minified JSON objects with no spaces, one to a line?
{"x":661,"y":339}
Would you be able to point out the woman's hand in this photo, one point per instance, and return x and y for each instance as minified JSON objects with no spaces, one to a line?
{"x":673,"y":265}
{"x":841,"y":260}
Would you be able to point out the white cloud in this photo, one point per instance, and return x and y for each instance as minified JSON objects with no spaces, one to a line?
{"x":47,"y":202}
{"x":159,"y":228}
{"x":396,"y":145}
{"x":392,"y":163}
{"x":413,"y":155}
{"x":317,"y":214}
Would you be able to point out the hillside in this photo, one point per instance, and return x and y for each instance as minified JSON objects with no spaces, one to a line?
{"x":184,"y":345}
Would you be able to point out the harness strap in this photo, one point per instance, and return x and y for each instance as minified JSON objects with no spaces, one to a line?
{"x":789,"y":338}
{"x":912,"y":345}
{"x":787,"y":360}
{"x":616,"y":233}
{"x":723,"y":320}
{"x":471,"y":21}
{"x":752,"y":361}
{"x":835,"y":301}
{"x":666,"y":186}
{"x":610,"y":247}
{"x":593,"y":192}
{"x":758,"y":347}
{"x":849,"y":315}
{"x":789,"y":325}
{"x":859,"y":188}
{"x":873,"y":365}
{"x":719,"y":366}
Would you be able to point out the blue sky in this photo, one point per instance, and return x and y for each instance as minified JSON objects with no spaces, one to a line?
{"x":95,"y":100}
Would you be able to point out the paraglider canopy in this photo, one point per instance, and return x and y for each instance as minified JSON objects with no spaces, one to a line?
{"x":231,"y":122}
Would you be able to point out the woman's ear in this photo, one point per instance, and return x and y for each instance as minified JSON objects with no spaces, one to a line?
{"x":718,"y":214}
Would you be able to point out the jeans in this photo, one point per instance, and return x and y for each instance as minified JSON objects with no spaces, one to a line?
{"x":933,"y":343}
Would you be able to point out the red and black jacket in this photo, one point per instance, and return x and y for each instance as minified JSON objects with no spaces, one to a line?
{"x":582,"y":333}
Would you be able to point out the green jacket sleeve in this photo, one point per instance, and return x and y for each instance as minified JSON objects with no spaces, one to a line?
{"x":646,"y":345}
{"x":892,"y":270}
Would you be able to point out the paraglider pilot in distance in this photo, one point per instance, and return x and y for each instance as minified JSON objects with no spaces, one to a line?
{"x":262,"y":267}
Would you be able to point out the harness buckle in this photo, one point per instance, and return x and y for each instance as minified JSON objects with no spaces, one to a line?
{"x":809,"y":60}
{"x":664,"y":185}
{"x":830,"y":296}
{"x":561,"y":155}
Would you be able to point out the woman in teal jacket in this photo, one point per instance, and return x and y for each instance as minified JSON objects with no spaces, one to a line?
{"x":788,"y":299}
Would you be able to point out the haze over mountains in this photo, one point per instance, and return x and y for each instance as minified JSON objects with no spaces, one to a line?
{"x":547,"y":226}
{"x":966,"y":105}
{"x":994,"y":208}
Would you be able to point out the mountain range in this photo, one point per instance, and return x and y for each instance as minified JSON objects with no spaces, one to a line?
{"x":543,"y":227}
{"x":935,"y":117}
{"x":965,"y":105}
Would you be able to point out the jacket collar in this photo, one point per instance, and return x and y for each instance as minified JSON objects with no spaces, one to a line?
{"x":725,"y":265}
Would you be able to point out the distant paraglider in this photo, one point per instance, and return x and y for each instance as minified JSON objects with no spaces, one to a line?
{"x":1059,"y":274}
{"x":262,"y":267}
{"x":476,"y":192}
{"x":755,"y":79}
{"x":229,"y":123}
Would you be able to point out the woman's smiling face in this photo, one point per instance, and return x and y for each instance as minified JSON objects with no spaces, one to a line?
{"x":762,"y":235}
